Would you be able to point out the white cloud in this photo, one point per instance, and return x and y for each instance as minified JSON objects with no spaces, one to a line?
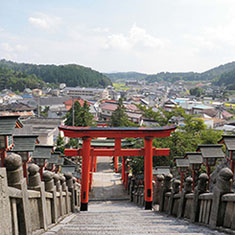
{"x":11,"y":50}
{"x":139,"y":35}
{"x":6,"y":47}
{"x":100,"y":30}
{"x":20,"y":48}
{"x":44,"y":21}
{"x":118,"y":41}
{"x":214,"y":37}
{"x":137,"y":38}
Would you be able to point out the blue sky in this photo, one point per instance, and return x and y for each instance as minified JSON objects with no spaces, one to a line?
{"x":120,"y":35}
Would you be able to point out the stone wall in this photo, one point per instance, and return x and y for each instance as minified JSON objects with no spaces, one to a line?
{"x":215,"y":209}
{"x":38,"y":205}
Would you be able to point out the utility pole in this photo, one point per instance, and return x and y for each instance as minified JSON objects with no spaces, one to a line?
{"x":38,"y":106}
{"x":72,"y":112}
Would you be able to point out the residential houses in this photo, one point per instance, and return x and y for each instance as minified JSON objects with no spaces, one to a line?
{"x":54,"y":104}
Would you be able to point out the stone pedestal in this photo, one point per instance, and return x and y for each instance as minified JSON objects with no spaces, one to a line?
{"x":5,"y":221}
{"x":223,"y":185}
{"x":13,"y":163}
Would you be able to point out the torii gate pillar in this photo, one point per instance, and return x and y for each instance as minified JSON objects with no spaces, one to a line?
{"x":148,"y":174}
{"x":85,"y":173}
{"x":118,"y":145}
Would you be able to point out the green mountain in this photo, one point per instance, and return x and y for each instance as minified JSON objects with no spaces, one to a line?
{"x":122,"y":76}
{"x":18,"y":81}
{"x":210,"y":75}
{"x":227,"y":79}
{"x":73,"y":75}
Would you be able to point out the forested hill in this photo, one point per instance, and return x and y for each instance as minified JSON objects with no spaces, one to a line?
{"x":126,"y":76}
{"x":209,"y":75}
{"x":18,"y":81}
{"x":227,"y":79}
{"x":73,"y":75}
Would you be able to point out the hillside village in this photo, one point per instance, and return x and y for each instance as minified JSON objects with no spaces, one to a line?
{"x":41,"y":107}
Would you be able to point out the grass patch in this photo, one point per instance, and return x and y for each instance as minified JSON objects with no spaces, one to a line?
{"x":120,"y":87}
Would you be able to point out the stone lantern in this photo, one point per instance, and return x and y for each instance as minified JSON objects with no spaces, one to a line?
{"x":210,"y":154}
{"x":41,"y":154}
{"x":24,"y":145}
{"x":59,"y":164}
{"x":182,"y":165}
{"x":229,"y":141}
{"x":160,"y":170}
{"x":53,"y":161}
{"x":195,"y":162}
{"x":7,"y":126}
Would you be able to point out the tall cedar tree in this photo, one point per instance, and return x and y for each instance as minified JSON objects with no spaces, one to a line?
{"x":82,"y":116}
{"x":119,"y":118}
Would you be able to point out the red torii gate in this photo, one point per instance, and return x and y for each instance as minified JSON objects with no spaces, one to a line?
{"x":87,"y":133}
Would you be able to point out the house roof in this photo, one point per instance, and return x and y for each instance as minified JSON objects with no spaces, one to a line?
{"x":69,"y":103}
{"x":134,"y":115}
{"x":43,"y":122}
{"x":211,"y":112}
{"x":84,"y":88}
{"x":170,"y":102}
{"x":16,"y":107}
{"x":131,"y":107}
{"x":110,"y":107}
{"x":109,"y":101}
{"x":201,"y":106}
{"x":22,"y":114}
{"x":226,"y":114}
{"x":52,"y":100}
{"x":25,"y":130}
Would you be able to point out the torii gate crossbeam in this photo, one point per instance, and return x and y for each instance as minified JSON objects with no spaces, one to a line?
{"x":87,"y":133}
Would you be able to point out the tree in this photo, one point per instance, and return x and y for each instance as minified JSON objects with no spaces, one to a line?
{"x":119,"y":118}
{"x":81,"y":115}
{"x":197,"y":91}
{"x":184,"y":139}
{"x":44,"y":113}
{"x":210,"y":136}
{"x":193,"y":125}
{"x":60,"y":144}
{"x":71,"y":74}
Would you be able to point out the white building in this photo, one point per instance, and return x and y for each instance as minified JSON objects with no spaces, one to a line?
{"x":87,"y":93}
